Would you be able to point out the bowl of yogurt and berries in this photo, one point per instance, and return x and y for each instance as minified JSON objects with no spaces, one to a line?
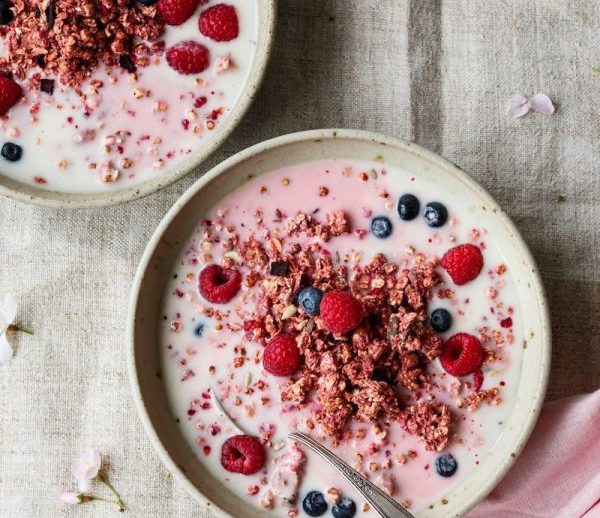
{"x":352,"y":287}
{"x":105,"y":101}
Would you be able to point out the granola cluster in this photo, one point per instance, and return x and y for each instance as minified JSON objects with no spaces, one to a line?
{"x":375,"y":372}
{"x":69,"y":38}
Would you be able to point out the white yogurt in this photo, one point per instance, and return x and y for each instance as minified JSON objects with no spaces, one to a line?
{"x":141,"y":138}
{"x":210,"y":357}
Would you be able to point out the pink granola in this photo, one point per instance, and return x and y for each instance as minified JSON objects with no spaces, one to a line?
{"x":360,"y":376}
{"x":70,"y":38}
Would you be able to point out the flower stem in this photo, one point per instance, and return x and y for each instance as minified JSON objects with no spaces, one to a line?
{"x":102,"y":478}
{"x":18,"y":327}
{"x":92,"y":498}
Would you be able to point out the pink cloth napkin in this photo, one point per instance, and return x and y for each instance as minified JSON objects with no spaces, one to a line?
{"x":558,"y":473}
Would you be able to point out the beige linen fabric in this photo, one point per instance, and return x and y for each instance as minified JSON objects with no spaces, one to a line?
{"x":438,"y":73}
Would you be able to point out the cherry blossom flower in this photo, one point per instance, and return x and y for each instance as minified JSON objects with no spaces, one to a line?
{"x":8,"y":314}
{"x":71,"y":498}
{"x":86,"y":468}
{"x":519,"y":105}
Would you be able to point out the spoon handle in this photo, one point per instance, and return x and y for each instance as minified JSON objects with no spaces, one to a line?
{"x":384,"y":504}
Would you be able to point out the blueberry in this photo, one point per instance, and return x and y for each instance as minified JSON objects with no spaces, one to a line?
{"x":440,"y":319}
{"x":381,"y":227}
{"x":314,"y":504}
{"x":6,"y":15}
{"x":446,"y":465}
{"x":310,"y":300}
{"x":199,"y":330}
{"x":408,"y":207}
{"x":345,"y":508}
{"x":435,"y":214}
{"x":12,"y":152}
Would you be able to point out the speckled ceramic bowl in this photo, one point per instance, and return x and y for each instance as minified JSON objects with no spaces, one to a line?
{"x":267,"y":13}
{"x":163,"y":249}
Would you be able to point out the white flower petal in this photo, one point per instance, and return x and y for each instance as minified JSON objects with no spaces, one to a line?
{"x":6,"y":351}
{"x":518,"y":105}
{"x":8,"y":309}
{"x":87,"y":466}
{"x":541,"y":103}
{"x":84,"y":485}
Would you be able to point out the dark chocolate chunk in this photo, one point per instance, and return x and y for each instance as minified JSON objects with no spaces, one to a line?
{"x":126,"y":62}
{"x":50,"y":15}
{"x":47,"y":86}
{"x":280,"y":268}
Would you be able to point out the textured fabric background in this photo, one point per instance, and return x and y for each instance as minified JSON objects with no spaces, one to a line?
{"x":437,"y":72}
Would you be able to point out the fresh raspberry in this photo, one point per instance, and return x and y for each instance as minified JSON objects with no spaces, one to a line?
{"x":10,"y":93}
{"x":219,"y":285}
{"x":219,"y":23}
{"x":243,"y":454}
{"x":188,"y":57}
{"x":175,"y":12}
{"x":281,"y":356}
{"x":462,"y":354}
{"x":463,"y":263}
{"x":340,"y":311}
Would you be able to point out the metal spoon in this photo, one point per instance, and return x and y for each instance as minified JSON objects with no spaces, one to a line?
{"x":384,"y":504}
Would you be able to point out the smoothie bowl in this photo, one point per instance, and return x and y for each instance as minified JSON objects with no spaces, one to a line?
{"x":352,"y":287}
{"x":106,"y":101}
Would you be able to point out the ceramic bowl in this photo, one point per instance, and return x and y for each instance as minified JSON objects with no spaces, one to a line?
{"x":164,"y":247}
{"x":267,"y":13}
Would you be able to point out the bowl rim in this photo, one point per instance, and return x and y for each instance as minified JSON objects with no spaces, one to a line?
{"x":535,"y":402}
{"x":19,"y":191}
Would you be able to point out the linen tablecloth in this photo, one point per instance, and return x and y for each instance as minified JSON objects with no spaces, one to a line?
{"x":436,"y":72}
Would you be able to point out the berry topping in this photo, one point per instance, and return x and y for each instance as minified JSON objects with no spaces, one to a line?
{"x":10,"y":93}
{"x":175,"y":12}
{"x":6,"y":14}
{"x":281,"y":356}
{"x":408,"y":207}
{"x":440,"y":320}
{"x":279,"y":268}
{"x":219,"y":23}
{"x":462,"y":354}
{"x":463,"y":263}
{"x":243,"y":454}
{"x":188,"y":57}
{"x":381,"y":227}
{"x":12,"y":152}
{"x":219,"y":285}
{"x":147,"y":3}
{"x":435,"y":214}
{"x":446,"y":465}
{"x":309,"y":300}
{"x":314,"y":504}
{"x":345,"y":508}
{"x":478,"y":379}
{"x":199,"y":330}
{"x":340,"y":311}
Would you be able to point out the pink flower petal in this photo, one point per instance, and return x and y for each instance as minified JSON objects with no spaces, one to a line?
{"x":518,"y":105}
{"x":68,"y":497}
{"x":541,"y":103}
{"x":87,"y":466}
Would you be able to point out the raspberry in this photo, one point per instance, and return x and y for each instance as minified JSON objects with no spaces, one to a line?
{"x":281,"y":356}
{"x":219,"y":285}
{"x":243,"y":454}
{"x":462,"y":354}
{"x":219,"y":23}
{"x":10,"y":93}
{"x":175,"y":12}
{"x":340,"y":311}
{"x":463,"y":263}
{"x":188,"y":57}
